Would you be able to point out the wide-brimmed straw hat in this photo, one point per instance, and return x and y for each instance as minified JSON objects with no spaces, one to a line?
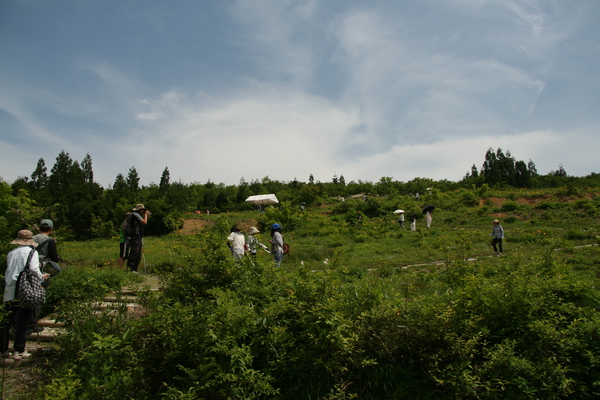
{"x":139,"y":207}
{"x":24,"y":238}
{"x":494,"y":221}
{"x":253,"y":230}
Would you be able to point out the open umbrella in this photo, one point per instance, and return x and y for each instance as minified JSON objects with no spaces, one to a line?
{"x":398,"y":211}
{"x":428,"y":208}
{"x":261,"y":199}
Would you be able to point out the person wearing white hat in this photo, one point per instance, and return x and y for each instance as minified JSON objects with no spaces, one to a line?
{"x":24,"y":256}
{"x":497,"y":235}
{"x":253,"y":242}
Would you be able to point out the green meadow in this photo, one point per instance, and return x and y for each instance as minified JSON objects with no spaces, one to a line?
{"x":359,"y":308}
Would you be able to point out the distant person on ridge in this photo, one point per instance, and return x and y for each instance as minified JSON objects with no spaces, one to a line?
{"x":401,"y":220}
{"x":428,"y":218}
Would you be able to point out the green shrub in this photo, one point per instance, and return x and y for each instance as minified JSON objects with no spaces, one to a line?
{"x":509,"y":206}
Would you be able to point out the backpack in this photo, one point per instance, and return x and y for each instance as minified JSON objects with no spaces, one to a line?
{"x":42,"y":251}
{"x":127,"y":226}
{"x":286,"y":248}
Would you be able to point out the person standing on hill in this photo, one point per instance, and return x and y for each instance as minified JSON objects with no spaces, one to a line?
{"x":46,"y":245}
{"x":401,"y":220}
{"x":253,"y":242}
{"x":237,"y":243}
{"x":428,"y":218}
{"x":46,"y":249}
{"x":124,"y":246}
{"x":413,"y":222}
{"x":139,"y":218}
{"x":24,"y":256}
{"x":276,"y":244}
{"x":497,"y":236}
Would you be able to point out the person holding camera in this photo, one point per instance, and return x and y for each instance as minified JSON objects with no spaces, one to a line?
{"x":139,"y":218}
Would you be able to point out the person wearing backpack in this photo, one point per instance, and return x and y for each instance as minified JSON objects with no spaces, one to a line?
{"x":137,"y":220}
{"x":276,"y":244}
{"x":124,"y":247}
{"x":47,"y":251}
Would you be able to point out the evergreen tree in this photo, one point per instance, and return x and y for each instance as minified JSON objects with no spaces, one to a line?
{"x":560,"y":172}
{"x":39,"y":177}
{"x":165,"y":180}
{"x":242,"y":191}
{"x":86,"y":167}
{"x":58,"y":183}
{"x":133,"y":180}
{"x":532,"y":169}
{"x":522,"y":175}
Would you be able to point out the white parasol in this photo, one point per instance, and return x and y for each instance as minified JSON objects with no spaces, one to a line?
{"x":261,"y":199}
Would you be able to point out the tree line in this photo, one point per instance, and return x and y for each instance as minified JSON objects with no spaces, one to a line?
{"x":69,"y":195}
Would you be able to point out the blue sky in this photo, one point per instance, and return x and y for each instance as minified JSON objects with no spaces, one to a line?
{"x":225,"y":90}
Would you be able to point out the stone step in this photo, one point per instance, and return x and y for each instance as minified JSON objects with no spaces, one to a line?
{"x":121,"y":299}
{"x":102,"y":305}
{"x":47,"y":335}
{"x":133,"y":292}
{"x":35,"y":348}
{"x":48,"y":322}
{"x":39,"y":343}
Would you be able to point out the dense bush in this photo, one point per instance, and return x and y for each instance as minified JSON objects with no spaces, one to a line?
{"x":499,"y":328}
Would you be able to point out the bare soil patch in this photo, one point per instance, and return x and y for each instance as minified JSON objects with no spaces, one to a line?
{"x":194,"y":225}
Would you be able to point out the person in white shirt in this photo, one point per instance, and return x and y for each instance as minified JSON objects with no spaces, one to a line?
{"x":237,"y":243}
{"x":24,"y":256}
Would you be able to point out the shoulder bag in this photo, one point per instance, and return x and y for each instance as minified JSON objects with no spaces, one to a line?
{"x":29,"y":292}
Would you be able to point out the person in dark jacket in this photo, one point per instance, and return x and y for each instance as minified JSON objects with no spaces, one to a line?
{"x":47,"y":251}
{"x":139,"y":218}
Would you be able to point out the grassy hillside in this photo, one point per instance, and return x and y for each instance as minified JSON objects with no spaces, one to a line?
{"x":359,"y":309}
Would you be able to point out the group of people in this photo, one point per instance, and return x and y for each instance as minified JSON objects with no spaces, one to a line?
{"x":33,"y":253}
{"x":240,"y":245}
{"x":497,"y":230}
{"x":413,"y":220}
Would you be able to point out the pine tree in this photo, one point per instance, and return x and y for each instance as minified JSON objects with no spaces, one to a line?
{"x":133,"y":180}
{"x":165,"y":180}
{"x":86,"y":167}
{"x":39,"y":177}
{"x":522,"y":175}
